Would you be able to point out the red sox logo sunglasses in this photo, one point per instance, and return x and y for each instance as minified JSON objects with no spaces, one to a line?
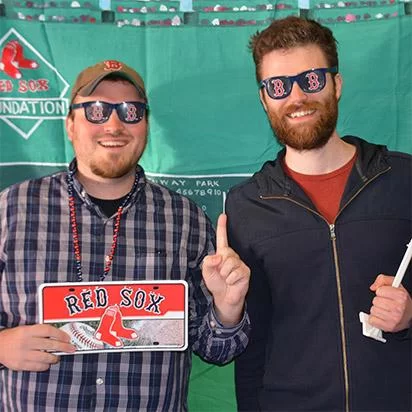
{"x":310,"y":81}
{"x":98,"y":112}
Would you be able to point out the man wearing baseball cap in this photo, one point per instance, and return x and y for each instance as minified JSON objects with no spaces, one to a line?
{"x":102,"y":220}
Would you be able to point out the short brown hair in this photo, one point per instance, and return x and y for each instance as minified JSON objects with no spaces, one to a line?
{"x":293,"y":32}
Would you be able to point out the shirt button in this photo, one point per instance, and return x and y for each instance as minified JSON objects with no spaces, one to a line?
{"x":99,"y":381}
{"x":212,"y":324}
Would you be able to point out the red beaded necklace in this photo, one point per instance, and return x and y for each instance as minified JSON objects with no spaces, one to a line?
{"x":75,"y":232}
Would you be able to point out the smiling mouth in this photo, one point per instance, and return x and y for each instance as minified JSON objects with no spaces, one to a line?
{"x":300,"y":113}
{"x":111,"y":144}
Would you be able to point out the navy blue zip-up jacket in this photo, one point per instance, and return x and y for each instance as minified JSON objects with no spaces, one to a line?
{"x":310,"y":279}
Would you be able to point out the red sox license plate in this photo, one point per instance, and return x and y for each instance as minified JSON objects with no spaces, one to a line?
{"x":118,"y":316}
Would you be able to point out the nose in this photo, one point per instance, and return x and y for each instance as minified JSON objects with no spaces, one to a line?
{"x":114,"y":124}
{"x":297,"y":94}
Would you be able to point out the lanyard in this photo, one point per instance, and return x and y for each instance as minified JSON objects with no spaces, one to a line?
{"x":75,"y":231}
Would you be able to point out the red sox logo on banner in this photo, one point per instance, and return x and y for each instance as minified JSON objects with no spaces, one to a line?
{"x":31,"y":88}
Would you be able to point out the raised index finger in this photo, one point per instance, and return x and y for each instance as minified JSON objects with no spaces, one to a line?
{"x":221,"y":233}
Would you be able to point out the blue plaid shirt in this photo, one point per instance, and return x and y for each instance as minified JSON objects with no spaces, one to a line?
{"x":162,"y":236}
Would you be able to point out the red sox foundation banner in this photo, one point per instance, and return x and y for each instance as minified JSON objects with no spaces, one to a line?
{"x":208,"y":130}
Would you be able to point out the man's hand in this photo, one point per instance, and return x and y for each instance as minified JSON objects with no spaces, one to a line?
{"x":391,"y":309}
{"x":26,"y":348}
{"x":226,"y":277}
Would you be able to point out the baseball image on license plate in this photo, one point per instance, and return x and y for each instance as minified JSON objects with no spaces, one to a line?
{"x":118,"y":316}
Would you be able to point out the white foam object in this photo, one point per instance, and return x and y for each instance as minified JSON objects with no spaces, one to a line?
{"x":369,"y":330}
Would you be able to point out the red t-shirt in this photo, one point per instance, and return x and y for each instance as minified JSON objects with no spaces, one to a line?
{"x":324,"y":190}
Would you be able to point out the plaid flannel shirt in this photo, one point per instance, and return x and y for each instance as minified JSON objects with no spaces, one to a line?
{"x":162,"y":236}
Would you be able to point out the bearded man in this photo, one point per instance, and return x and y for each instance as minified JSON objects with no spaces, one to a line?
{"x":322,"y":228}
{"x":102,"y":220}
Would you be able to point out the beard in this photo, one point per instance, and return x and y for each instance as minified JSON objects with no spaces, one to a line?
{"x":310,"y":136}
{"x":114,"y":166}
{"x":119,"y":167}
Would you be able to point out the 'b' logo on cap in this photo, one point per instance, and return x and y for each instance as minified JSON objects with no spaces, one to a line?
{"x":111,"y":65}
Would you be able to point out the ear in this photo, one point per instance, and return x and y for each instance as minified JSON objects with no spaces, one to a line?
{"x":262,"y":97}
{"x":338,"y":85}
{"x":70,"y":126}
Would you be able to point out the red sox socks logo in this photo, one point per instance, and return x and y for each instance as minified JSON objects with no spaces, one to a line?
{"x":12,"y":59}
{"x":111,"y":328}
{"x":112,"y":65}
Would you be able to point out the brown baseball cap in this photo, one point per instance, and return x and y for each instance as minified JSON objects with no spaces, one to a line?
{"x":90,"y":77}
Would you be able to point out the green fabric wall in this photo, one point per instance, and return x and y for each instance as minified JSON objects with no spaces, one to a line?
{"x":208,"y":130}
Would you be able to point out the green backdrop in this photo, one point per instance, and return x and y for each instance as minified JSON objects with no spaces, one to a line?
{"x":208,"y":130}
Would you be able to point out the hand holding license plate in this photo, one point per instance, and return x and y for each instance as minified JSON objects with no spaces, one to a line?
{"x":118,"y":316}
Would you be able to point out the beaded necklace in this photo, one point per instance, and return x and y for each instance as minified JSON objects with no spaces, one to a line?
{"x":75,"y":232}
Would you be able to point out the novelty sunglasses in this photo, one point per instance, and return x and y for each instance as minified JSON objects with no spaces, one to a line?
{"x":98,"y":112}
{"x":310,"y":81}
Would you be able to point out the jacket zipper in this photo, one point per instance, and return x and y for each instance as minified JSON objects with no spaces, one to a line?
{"x":341,"y":315}
{"x":337,"y":273}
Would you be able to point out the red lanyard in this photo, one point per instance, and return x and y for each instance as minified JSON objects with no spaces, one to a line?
{"x":75,"y":232}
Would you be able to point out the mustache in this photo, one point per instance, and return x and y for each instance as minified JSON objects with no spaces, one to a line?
{"x":294,"y":107}
{"x":115,"y":133}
